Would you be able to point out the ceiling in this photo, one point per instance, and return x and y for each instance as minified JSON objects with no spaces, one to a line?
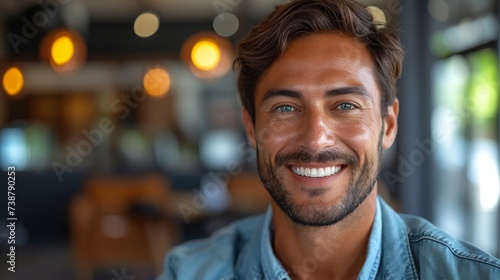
{"x":111,"y":41}
{"x":111,"y":22}
{"x":167,"y":9}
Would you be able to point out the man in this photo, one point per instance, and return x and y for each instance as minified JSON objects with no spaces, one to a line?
{"x":317,"y":79}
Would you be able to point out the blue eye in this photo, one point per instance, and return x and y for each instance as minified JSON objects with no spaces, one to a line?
{"x":346,"y":106}
{"x":285,"y":109}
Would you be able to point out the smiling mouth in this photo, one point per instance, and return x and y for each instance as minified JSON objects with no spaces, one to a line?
{"x":316,"y":172}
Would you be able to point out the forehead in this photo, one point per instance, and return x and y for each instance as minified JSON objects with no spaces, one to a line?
{"x":321,"y":61}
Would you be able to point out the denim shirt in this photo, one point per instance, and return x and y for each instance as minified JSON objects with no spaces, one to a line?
{"x":272,"y":268}
{"x":411,"y":248}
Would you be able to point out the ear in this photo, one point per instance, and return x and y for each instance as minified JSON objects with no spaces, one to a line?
{"x":390,"y":125}
{"x":249,"y":128}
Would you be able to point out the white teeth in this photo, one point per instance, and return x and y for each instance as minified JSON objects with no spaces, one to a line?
{"x":321,"y":172}
{"x":307,"y":172}
{"x":328,"y":171}
{"x":316,"y":172}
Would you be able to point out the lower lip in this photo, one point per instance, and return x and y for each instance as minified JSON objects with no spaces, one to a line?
{"x":316,"y":181}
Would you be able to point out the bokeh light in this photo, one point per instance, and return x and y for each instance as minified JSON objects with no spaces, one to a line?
{"x":205,"y":54}
{"x":226,"y":24}
{"x":62,"y":50}
{"x":13,"y":81}
{"x":379,"y":18}
{"x":439,"y":9}
{"x":483,"y":95}
{"x":156,"y":81}
{"x":146,"y":24}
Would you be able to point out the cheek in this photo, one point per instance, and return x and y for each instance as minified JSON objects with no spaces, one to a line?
{"x":272,"y":133}
{"x":359,"y":136}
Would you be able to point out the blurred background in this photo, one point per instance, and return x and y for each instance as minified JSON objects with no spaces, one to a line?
{"x":122,"y":121}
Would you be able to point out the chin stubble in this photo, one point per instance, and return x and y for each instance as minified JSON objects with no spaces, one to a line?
{"x":360,"y":186}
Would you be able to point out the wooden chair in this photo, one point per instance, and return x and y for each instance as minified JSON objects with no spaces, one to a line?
{"x":248,"y":195}
{"x":118,"y":221}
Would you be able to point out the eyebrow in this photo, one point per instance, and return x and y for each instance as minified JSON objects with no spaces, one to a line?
{"x":272,"y":93}
{"x":348,"y":90}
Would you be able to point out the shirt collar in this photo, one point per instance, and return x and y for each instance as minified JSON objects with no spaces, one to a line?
{"x":273,"y":269}
{"x":374,"y":251}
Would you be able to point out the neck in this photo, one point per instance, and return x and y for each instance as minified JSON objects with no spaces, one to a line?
{"x":333,"y":252}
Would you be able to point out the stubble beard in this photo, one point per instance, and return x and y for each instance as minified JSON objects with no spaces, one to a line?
{"x":360,"y":185}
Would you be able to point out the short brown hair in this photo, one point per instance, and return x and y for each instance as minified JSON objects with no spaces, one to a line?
{"x":266,"y":42}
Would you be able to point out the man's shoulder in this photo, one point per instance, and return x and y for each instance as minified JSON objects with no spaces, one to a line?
{"x":216,"y":255}
{"x":230,"y":237}
{"x":437,"y":253}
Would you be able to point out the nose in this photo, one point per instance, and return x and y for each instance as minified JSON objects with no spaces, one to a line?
{"x":317,"y":131}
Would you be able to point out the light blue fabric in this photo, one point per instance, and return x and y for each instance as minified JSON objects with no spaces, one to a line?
{"x":272,"y":268}
{"x":410,"y":248}
{"x":372,"y":262}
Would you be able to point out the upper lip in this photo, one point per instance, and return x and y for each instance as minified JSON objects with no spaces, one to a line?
{"x":315,"y":165}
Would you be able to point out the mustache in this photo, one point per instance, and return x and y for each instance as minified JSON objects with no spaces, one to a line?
{"x":322,"y":157}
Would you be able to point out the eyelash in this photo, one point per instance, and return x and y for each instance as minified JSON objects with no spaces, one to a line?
{"x":352,"y":106}
{"x":284,"y":106}
{"x":280,"y":108}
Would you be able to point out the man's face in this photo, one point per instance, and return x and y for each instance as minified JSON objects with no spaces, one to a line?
{"x":318,"y":130}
